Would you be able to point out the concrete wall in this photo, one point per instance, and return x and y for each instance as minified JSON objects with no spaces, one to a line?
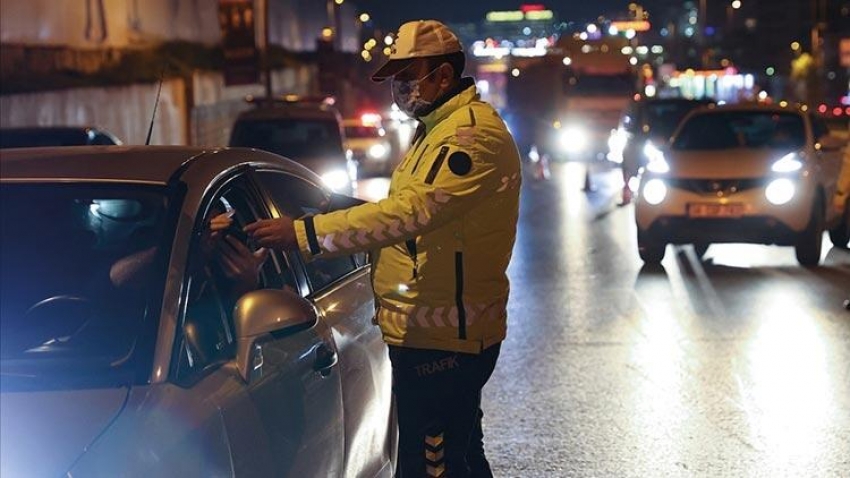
{"x":294,"y":24}
{"x":124,"y":111}
{"x":199,"y":111}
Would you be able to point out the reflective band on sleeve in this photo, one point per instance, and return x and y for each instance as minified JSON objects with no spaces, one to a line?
{"x":312,"y":241}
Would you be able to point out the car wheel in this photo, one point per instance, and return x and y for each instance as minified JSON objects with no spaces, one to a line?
{"x":840,"y":234}
{"x":810,"y":241}
{"x":651,"y":252}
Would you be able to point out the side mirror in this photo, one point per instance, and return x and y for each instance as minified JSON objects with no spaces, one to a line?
{"x":261,"y":312}
{"x":830,"y":143}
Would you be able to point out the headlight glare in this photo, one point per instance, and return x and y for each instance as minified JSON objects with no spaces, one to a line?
{"x":658,"y":165}
{"x":573,"y":139}
{"x":787,"y":164}
{"x":780,"y":191}
{"x":338,"y":180}
{"x":378,"y":151}
{"x":654,"y":191}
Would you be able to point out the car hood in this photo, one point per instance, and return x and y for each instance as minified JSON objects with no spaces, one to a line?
{"x":43,"y":433}
{"x":722,"y":164}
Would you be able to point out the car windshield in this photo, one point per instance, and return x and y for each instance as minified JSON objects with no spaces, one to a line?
{"x":663,"y":117}
{"x":293,"y":138}
{"x":601,"y":85}
{"x":80,"y":274}
{"x":363,"y":132}
{"x":741,"y":129}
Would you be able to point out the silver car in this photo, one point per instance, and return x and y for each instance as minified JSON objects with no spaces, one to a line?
{"x":125,"y":351}
{"x":743,"y":173}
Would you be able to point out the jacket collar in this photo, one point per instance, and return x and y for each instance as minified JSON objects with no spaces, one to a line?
{"x":464,"y":93}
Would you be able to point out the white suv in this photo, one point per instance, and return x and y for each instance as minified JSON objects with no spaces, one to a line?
{"x":742,"y":173}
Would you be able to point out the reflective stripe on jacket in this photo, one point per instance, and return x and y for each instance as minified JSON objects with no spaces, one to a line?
{"x":442,"y":239}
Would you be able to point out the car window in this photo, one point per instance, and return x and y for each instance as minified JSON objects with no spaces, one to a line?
{"x":81,"y":272}
{"x":102,"y":139}
{"x":364,"y":132}
{"x":296,"y":198}
{"x":294,"y":138}
{"x":663,"y":117}
{"x":212,"y":289}
{"x":742,"y":129}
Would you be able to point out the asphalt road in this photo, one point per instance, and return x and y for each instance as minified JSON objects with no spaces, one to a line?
{"x":734,"y":366}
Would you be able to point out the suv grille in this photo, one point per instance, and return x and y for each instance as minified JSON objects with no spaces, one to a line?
{"x":715,"y":186}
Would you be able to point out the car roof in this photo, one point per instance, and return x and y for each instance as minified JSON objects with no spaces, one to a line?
{"x":677,"y":100}
{"x":141,"y":164}
{"x":743,"y":107}
{"x":290,"y":110}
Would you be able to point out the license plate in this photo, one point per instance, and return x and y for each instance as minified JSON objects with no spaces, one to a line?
{"x":715,"y":210}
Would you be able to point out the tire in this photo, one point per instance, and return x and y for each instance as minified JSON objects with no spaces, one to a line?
{"x":810,"y":242}
{"x":651,"y":252}
{"x":840,"y":234}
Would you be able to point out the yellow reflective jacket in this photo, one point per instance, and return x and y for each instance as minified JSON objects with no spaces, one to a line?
{"x":443,"y":237}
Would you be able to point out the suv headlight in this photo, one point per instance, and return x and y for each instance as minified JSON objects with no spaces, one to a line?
{"x":780,"y":191}
{"x":787,"y":164}
{"x":655,"y":161}
{"x":654,"y":191}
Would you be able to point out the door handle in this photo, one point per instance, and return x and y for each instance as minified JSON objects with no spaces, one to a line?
{"x":326,"y":359}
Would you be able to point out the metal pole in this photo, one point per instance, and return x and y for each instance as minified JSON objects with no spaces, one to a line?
{"x":267,"y":71}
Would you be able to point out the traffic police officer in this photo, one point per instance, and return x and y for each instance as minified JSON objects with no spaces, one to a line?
{"x":441,"y":244}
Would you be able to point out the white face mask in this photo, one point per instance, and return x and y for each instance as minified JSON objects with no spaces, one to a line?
{"x":408,"y":98}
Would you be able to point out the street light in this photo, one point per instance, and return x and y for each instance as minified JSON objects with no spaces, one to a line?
{"x":736,"y":4}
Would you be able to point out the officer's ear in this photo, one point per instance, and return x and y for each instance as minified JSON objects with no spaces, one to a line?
{"x":446,"y":74}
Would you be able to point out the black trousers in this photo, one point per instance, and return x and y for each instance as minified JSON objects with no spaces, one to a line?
{"x":438,"y":404}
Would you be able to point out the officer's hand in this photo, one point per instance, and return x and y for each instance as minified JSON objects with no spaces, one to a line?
{"x":277,"y":233}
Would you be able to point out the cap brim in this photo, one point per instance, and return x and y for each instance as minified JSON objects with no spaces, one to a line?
{"x":391,"y":68}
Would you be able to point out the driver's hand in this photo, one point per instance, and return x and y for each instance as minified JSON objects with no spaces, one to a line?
{"x":277,"y":233}
{"x":214,"y":231}
{"x":239,"y":264}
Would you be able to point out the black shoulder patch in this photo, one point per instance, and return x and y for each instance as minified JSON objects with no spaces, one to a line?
{"x":460,"y":163}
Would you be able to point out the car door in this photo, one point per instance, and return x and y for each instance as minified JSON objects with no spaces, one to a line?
{"x":341,"y":289}
{"x":287,"y":420}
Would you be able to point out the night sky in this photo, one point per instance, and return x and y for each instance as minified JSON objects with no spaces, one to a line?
{"x":391,"y":13}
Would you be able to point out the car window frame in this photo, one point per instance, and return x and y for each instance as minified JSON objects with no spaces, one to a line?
{"x":279,"y":264}
{"x":309,"y":290}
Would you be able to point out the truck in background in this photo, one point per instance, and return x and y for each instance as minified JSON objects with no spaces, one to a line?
{"x":565,"y":104}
